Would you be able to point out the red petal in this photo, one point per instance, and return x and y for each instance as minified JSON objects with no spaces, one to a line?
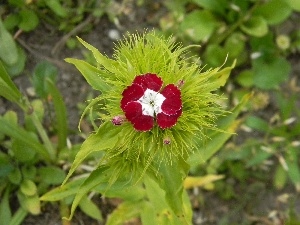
{"x":131,"y":93}
{"x":173,"y":101}
{"x":150,"y":81}
{"x":167,"y":121}
{"x":133,"y":112}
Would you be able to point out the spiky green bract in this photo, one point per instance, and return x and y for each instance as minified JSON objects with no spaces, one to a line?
{"x":135,"y":151}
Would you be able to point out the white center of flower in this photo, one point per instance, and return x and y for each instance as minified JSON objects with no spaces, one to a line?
{"x":151,"y":102}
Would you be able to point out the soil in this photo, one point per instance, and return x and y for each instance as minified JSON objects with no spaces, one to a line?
{"x":257,"y":203}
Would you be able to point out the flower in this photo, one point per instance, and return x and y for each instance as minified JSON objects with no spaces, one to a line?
{"x":143,"y":102}
{"x":155,"y":103}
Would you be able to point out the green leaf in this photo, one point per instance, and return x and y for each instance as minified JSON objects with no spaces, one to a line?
{"x":90,"y":208}
{"x":23,"y":152}
{"x":255,"y":26}
{"x":15,"y":176}
{"x":274,"y":11}
{"x":214,"y":55}
{"x":18,"y":217}
{"x":60,"y":112}
{"x":30,"y":203}
{"x":258,"y":158}
{"x":5,"y":212}
{"x":171,"y":181}
{"x":7,"y":88}
{"x":105,"y":138}
{"x":57,"y":8}
{"x":98,"y":176}
{"x":19,"y":133}
{"x":51,"y":175}
{"x":28,"y":188}
{"x":280,"y":177}
{"x":42,"y":72}
{"x":257,"y":123}
{"x":11,"y":21}
{"x":268,"y":75}
{"x":18,"y":67}
{"x":294,"y":4}
{"x":102,"y":60}
{"x":9,"y":52}
{"x":199,"y":25}
{"x":293,"y":166}
{"x":61,"y":192}
{"x":245,"y":78}
{"x":124,"y":212}
{"x":29,"y":20}
{"x":217,"y":139}
{"x":218,"y":6}
{"x":91,"y":74}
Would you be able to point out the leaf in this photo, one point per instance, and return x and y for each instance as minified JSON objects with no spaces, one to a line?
{"x":90,"y":208}
{"x":7,"y":88}
{"x":29,"y":20}
{"x":102,"y":60}
{"x":60,"y":112}
{"x":51,"y":175}
{"x":5,"y":212}
{"x":28,"y":188}
{"x":9,"y":52}
{"x":170,"y":178}
{"x":15,"y":131}
{"x":57,"y":8}
{"x":22,"y":152}
{"x":274,"y":11}
{"x":256,"y":26}
{"x":218,"y":6}
{"x":268,"y":75}
{"x":199,"y":25}
{"x":30,"y":203}
{"x":42,"y":72}
{"x":191,"y":182}
{"x":294,"y":4}
{"x":61,"y":192}
{"x":293,"y":166}
{"x":217,"y":139}
{"x":257,"y":123}
{"x":91,"y":74}
{"x":124,"y":212}
{"x":18,"y":67}
{"x":105,"y":138}
{"x":18,"y":216}
{"x":214,"y":55}
{"x":245,"y":78}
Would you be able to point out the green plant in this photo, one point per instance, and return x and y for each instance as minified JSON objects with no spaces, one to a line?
{"x":140,"y":162}
{"x":30,"y":161}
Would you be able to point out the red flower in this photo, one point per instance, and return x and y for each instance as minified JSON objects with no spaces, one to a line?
{"x":143,"y":103}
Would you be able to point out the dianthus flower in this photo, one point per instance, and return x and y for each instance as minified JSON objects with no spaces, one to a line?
{"x":144,"y":100}
{"x":156,"y":103}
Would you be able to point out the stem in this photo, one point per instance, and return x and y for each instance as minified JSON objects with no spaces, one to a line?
{"x":64,"y":212}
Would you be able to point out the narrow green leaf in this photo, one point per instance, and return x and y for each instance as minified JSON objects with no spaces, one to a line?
{"x":19,"y":133}
{"x":61,"y":192}
{"x":18,"y":217}
{"x":105,"y":138}
{"x":7,"y":88}
{"x":102,"y":60}
{"x":98,"y":176}
{"x":91,"y":74}
{"x":60,"y":112}
{"x":293,"y":166}
{"x":5,"y":212}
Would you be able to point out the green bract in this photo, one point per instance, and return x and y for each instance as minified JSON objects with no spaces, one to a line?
{"x":132,"y":152}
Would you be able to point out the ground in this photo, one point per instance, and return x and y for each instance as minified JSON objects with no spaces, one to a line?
{"x":258,"y":203}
